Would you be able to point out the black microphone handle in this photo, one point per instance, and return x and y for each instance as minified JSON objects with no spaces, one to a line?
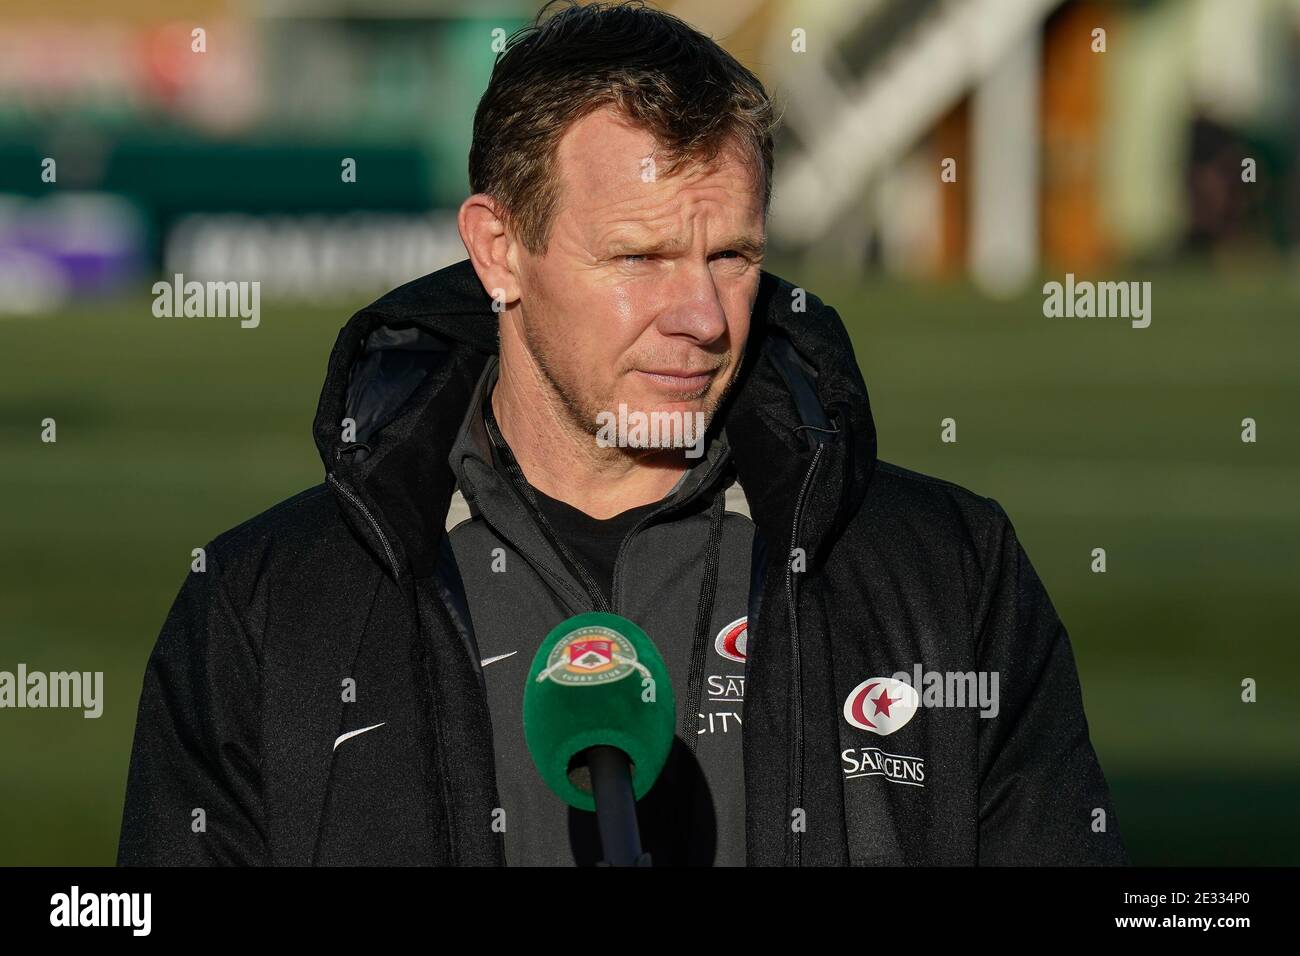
{"x":611,"y":785}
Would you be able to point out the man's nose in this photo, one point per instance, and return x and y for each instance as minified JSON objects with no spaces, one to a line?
{"x":692,"y":307}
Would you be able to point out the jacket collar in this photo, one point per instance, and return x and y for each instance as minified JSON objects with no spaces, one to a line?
{"x":489,"y":490}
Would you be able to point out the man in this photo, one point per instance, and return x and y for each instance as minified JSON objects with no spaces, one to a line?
{"x":343,"y":684}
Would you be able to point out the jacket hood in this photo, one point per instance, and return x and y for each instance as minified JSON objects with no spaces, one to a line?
{"x":404,"y":369}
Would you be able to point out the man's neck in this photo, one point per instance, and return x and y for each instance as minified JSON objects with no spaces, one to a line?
{"x":564,"y":462}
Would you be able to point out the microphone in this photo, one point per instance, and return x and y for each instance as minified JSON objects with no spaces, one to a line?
{"x":599,"y":716}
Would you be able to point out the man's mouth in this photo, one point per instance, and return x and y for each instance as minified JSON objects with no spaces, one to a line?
{"x":679,"y":381}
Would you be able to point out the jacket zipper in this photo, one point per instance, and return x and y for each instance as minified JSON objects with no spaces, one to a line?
{"x":797,"y":728}
{"x":538,"y":563}
{"x":618,"y":558}
{"x":383,"y":539}
{"x":521,"y":487}
{"x":449,"y":812}
{"x":636,"y":529}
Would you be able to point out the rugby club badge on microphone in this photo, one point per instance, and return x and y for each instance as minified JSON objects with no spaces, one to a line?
{"x":597,"y":679}
{"x":589,"y":655}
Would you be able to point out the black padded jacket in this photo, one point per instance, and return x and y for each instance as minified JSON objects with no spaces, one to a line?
{"x":869,"y":570}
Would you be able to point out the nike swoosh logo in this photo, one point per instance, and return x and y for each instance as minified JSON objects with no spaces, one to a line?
{"x":352,"y":733}
{"x":500,"y":657}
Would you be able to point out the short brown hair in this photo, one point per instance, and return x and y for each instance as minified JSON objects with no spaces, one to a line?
{"x":661,"y":73}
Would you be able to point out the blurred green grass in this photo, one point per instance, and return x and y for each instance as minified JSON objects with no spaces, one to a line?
{"x":1090,"y":433}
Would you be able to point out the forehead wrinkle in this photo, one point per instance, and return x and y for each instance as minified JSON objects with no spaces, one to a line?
{"x":631,"y":192}
{"x":676,"y":210}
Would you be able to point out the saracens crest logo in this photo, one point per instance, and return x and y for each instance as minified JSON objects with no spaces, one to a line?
{"x":591,"y":655}
{"x":733,"y":640}
{"x":881,"y":705}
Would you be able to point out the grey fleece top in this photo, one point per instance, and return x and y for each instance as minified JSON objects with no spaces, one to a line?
{"x":519,"y":586}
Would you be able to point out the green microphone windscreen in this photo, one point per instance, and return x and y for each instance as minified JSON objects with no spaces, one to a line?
{"x":597,"y":679}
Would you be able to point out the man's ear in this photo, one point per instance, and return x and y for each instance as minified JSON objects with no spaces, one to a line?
{"x":488,"y":243}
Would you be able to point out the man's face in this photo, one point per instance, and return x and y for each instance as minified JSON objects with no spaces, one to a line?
{"x":645,"y":291}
